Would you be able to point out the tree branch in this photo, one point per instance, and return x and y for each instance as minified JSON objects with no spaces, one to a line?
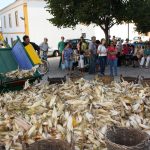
{"x":112,"y":24}
{"x":102,"y":27}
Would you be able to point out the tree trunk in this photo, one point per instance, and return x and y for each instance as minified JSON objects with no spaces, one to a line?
{"x":106,"y":31}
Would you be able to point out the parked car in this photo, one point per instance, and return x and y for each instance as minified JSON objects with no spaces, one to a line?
{"x":53,"y":52}
{"x":143,"y":38}
{"x":74,"y":42}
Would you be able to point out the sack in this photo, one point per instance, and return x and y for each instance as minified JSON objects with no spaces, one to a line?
{"x":63,"y":67}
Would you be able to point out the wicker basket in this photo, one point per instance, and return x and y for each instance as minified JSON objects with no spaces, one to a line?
{"x":2,"y":146}
{"x":126,"y":139}
{"x":47,"y":145}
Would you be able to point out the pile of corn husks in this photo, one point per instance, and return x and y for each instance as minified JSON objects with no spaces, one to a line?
{"x":77,"y":112}
{"x":19,"y":74}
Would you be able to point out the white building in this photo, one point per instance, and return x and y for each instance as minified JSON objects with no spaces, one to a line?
{"x":30,"y":17}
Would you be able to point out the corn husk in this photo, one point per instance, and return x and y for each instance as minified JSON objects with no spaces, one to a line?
{"x":19,"y":74}
{"x":78,"y":112}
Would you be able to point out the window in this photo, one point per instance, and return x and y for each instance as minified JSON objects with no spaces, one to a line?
{"x":10,"y":23}
{"x":4,"y":21}
{"x":16,"y":18}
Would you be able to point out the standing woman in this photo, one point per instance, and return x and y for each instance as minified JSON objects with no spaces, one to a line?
{"x":112,"y":57}
{"x":102,"y":55}
{"x":67,"y":57}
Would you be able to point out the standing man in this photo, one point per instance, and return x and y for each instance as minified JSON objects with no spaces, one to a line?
{"x":61,"y":47}
{"x":44,"y":48}
{"x":82,"y":45}
{"x":93,"y":54}
{"x":26,"y":41}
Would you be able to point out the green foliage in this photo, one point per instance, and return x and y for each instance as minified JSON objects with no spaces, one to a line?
{"x":104,"y":13}
{"x":139,"y":13}
{"x":63,"y":12}
{"x":69,"y":13}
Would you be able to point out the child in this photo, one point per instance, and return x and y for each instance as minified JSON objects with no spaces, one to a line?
{"x":81,"y":62}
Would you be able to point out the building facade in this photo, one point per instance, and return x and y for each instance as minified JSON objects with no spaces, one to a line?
{"x":11,"y":22}
{"x":31,"y":18}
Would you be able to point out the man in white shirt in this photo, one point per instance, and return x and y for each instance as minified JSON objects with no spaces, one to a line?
{"x":102,"y":54}
{"x":44,"y":48}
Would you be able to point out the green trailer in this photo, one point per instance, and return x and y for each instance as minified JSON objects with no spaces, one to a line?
{"x":8,"y":64}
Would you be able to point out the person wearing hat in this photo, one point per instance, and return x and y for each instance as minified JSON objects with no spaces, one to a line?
{"x":61,"y":47}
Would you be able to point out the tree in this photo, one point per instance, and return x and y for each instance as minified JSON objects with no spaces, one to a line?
{"x":104,"y":13}
{"x":139,"y":12}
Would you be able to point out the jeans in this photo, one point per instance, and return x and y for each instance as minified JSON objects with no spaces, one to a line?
{"x":86,"y":61}
{"x":102,"y":62}
{"x":113,"y":67}
{"x":44,"y":55}
{"x":68,"y":64}
{"x":92,"y":65}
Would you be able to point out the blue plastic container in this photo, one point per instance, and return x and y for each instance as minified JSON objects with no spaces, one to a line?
{"x":21,"y":56}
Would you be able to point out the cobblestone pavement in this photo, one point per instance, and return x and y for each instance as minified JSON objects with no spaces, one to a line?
{"x":125,"y":71}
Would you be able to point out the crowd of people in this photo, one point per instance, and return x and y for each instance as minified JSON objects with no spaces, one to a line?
{"x":99,"y":54}
{"x":96,"y":55}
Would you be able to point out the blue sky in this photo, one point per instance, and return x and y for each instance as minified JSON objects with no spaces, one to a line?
{"x":4,"y":3}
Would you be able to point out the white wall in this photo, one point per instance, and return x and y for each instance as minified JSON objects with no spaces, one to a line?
{"x":9,"y":31}
{"x":39,"y":26}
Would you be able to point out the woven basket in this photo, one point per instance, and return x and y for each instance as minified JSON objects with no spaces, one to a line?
{"x":47,"y":145}
{"x":2,"y":146}
{"x":126,"y":139}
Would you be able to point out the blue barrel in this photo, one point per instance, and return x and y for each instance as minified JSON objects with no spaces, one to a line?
{"x":21,"y":56}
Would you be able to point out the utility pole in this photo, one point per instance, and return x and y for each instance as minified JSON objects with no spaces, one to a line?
{"x":128,"y":31}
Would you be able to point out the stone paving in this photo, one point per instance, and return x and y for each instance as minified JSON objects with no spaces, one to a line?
{"x":125,"y":71}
